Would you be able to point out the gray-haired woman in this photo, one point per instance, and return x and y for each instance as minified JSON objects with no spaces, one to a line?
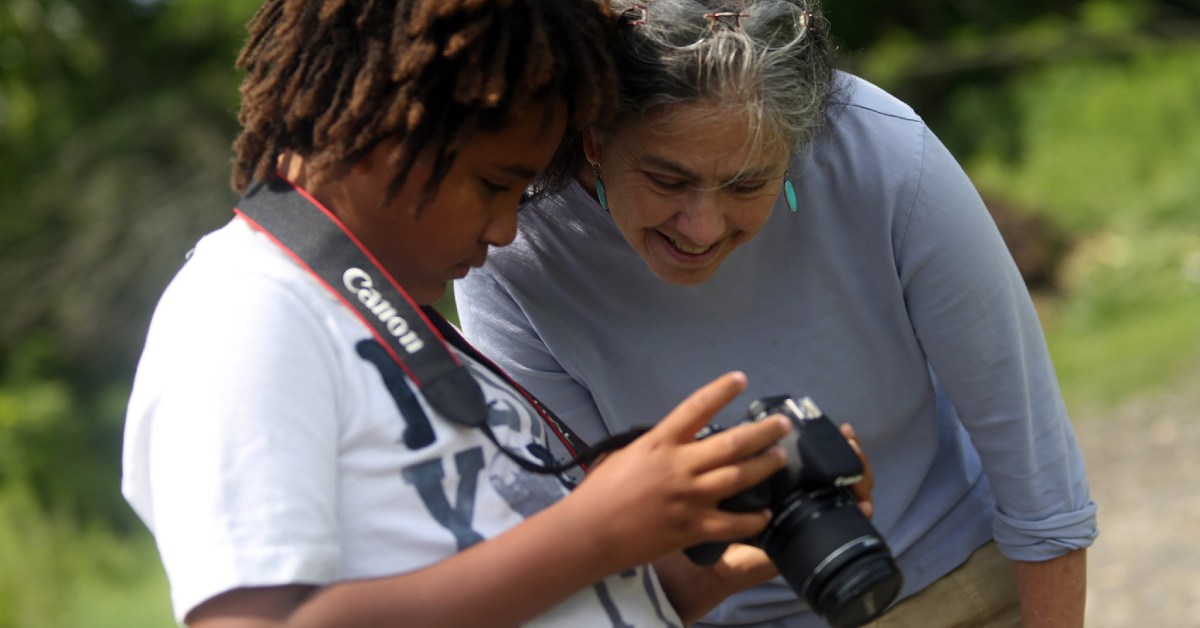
{"x":753,"y":208}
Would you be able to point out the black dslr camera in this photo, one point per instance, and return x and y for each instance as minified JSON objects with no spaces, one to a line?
{"x":822,"y":544}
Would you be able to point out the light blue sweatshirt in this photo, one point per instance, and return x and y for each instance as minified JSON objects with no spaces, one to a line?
{"x":889,"y":298}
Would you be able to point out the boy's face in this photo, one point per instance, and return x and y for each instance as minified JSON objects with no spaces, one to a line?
{"x":474,"y":207}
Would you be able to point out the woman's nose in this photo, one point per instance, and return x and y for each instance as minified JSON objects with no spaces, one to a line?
{"x":702,"y":219}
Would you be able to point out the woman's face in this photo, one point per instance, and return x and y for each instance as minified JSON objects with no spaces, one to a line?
{"x":685,"y":186}
{"x":473,"y":208}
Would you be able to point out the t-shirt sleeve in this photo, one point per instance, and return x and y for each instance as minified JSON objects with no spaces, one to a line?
{"x":232,"y":439}
{"x":495,"y":323}
{"x":975,"y":320}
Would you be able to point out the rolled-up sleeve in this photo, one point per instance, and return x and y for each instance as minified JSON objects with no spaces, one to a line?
{"x":976,"y":323}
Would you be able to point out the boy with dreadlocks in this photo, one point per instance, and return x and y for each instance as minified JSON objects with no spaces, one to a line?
{"x":283,"y":442}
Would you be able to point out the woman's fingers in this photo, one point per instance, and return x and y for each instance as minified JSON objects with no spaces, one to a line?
{"x":745,"y":566}
{"x":724,"y":525}
{"x":862,"y":488}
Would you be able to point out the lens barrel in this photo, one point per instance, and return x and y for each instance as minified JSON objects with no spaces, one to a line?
{"x":859,"y":593}
{"x":830,"y":554}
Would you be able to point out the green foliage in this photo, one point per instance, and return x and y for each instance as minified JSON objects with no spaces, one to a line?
{"x":59,"y":441}
{"x":1141,"y":352}
{"x":860,"y":24}
{"x":446,"y":306}
{"x":1107,"y":149}
{"x":59,"y":573}
{"x":1129,"y":313}
{"x":1123,"y":274}
{"x":115,"y":123}
{"x":1106,"y":144}
{"x":117,"y":131}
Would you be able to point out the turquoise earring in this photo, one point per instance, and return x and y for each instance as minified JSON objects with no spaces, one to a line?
{"x":789,"y":192}
{"x":600,"y":195}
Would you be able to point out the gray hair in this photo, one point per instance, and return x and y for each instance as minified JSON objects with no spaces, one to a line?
{"x":771,"y":59}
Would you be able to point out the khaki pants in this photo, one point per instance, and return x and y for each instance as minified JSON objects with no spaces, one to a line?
{"x":979,"y":593}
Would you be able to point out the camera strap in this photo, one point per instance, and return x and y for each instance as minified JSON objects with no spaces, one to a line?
{"x":416,"y":337}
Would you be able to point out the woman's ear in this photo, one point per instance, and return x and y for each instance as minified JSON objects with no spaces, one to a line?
{"x":593,"y":148}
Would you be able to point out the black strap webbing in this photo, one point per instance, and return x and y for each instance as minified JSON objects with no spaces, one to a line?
{"x":415,"y":337}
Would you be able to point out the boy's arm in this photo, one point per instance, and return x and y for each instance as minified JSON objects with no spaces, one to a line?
{"x":652,"y":498}
{"x":503,"y":581}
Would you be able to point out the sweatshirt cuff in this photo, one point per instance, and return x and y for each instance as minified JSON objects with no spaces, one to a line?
{"x":1046,"y":538}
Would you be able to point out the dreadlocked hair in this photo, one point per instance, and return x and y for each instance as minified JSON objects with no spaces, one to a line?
{"x":330,"y":80}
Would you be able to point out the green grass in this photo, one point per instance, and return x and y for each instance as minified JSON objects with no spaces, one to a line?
{"x":1093,"y":145}
{"x":57,"y":574}
{"x":1107,"y":150}
{"x":1141,"y":351}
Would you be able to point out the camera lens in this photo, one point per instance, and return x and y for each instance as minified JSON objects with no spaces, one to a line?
{"x":859,"y":593}
{"x":833,"y":557}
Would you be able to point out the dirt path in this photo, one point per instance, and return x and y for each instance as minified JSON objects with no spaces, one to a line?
{"x":1143,"y":462}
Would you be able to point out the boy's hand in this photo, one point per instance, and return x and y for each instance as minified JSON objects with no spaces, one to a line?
{"x":660,"y":493}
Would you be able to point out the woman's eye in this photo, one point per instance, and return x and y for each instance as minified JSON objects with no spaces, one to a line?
{"x":748,"y":187}
{"x":667,"y":184}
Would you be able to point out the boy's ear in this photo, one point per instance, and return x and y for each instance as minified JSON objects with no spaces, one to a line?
{"x":363,"y":165}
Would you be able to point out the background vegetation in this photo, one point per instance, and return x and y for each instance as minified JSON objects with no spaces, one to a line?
{"x":1079,"y":120}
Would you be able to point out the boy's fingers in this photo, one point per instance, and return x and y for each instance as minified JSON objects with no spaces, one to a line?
{"x":740,"y":442}
{"x":723,"y":525}
{"x":726,"y":480}
{"x":699,"y":408}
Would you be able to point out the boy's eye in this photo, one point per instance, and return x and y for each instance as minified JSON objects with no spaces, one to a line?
{"x":493,"y":187}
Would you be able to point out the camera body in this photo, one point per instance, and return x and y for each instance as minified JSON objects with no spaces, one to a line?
{"x":822,"y":544}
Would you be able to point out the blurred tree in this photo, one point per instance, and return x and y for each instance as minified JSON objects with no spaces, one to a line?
{"x":116,"y":118}
{"x":926,"y":50}
{"x":115,"y":123}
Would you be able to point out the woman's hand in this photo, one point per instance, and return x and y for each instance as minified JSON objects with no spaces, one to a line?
{"x":695,"y":590}
{"x":862,"y":488}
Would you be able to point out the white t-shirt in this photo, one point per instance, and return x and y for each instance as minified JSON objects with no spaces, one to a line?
{"x":264,"y":446}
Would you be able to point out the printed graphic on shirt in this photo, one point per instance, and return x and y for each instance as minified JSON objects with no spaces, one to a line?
{"x":515,"y":424}
{"x":455,"y":516}
{"x":525,"y":492}
{"x":418,"y":433}
{"x":625,"y":600}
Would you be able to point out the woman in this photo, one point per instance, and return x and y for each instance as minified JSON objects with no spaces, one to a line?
{"x":752,"y":208}
{"x":309,"y":448}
